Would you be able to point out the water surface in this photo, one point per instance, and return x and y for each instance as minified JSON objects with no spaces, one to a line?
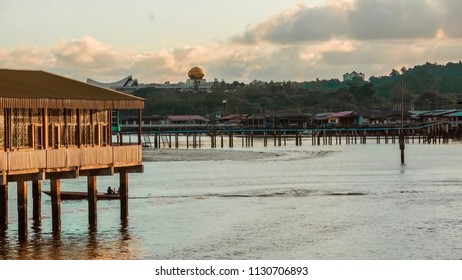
{"x":308,"y":202}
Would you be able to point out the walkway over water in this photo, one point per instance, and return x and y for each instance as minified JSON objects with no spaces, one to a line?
{"x":434,"y":133}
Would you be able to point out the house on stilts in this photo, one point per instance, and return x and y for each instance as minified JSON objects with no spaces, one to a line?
{"x":54,"y":128}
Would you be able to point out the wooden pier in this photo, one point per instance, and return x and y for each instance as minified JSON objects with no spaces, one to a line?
{"x":211,"y":138}
{"x":54,"y":128}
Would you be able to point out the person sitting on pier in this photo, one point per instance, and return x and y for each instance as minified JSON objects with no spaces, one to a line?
{"x":110,"y":190}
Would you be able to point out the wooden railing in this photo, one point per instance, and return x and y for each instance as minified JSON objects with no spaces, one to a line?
{"x":73,"y":157}
{"x":126,"y":154}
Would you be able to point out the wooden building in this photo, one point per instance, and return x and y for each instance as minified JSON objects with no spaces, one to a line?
{"x":54,"y":128}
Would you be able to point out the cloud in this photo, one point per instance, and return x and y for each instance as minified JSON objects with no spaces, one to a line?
{"x":359,"y":20}
{"x":301,"y":43}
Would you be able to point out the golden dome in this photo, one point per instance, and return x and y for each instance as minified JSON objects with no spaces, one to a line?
{"x":196,"y":73}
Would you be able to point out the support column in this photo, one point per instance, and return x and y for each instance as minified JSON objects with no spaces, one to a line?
{"x":22,"y":209}
{"x":92,"y":199}
{"x":139,"y":127}
{"x":55,"y":185}
{"x":37,"y":201}
{"x":4,"y":207}
{"x":123,"y":191}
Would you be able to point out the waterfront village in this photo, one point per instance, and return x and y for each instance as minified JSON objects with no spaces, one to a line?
{"x":449,"y":119}
{"x":55,"y":128}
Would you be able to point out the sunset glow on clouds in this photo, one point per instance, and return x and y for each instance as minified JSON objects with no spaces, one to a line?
{"x":304,"y":41}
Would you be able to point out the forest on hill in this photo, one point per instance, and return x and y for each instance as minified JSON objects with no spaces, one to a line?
{"x":425,"y":87}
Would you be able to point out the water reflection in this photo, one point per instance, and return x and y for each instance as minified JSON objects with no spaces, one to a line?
{"x":37,"y":249}
{"x":4,"y":241}
{"x":68,"y":245}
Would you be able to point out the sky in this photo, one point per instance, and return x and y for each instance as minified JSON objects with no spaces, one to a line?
{"x":240,"y":40}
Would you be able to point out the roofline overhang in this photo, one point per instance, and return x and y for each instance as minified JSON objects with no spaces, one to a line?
{"x":12,"y":102}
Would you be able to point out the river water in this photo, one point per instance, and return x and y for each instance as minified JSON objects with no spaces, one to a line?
{"x":308,"y":202}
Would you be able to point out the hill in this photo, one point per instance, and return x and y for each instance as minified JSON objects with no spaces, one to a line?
{"x":425,"y":87}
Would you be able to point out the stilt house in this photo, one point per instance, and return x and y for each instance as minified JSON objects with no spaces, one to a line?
{"x":53,"y":128}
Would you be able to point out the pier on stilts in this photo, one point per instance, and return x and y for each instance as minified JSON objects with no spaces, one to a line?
{"x":226,"y":138}
{"x":52,"y":129}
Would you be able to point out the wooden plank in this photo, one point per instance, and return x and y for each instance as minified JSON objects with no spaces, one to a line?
{"x":55,"y":185}
{"x":123,"y":191}
{"x":127,"y":155}
{"x":92,"y":199}
{"x":22,"y":209}
{"x":45,"y":128}
{"x":37,"y":201}
{"x":31,"y":175}
{"x":97,"y":171}
{"x":129,"y":169}
{"x":4,"y":206}
{"x":63,"y":174}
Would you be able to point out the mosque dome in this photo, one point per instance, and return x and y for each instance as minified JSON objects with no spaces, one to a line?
{"x":196,"y":73}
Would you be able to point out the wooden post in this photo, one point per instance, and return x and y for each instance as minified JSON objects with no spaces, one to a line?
{"x":37,"y":200}
{"x":92,"y":199}
{"x":4,"y":207}
{"x":123,"y":192}
{"x":22,"y":209}
{"x":55,"y":185}
{"x":139,"y":127}
{"x":45,"y":128}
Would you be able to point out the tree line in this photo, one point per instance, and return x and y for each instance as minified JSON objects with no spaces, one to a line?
{"x":424,"y":87}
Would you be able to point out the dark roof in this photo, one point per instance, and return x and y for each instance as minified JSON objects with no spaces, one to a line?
{"x":182,"y":118}
{"x":385,"y":114}
{"x":39,"y":89}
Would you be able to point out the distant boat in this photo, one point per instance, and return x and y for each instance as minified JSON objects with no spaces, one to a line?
{"x":84,"y":195}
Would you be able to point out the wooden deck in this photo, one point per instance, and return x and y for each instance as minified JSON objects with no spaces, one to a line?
{"x":69,"y":159}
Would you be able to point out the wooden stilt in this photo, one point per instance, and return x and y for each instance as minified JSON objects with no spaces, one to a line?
{"x":123,"y":191}
{"x":92,"y":199}
{"x":4,"y":207}
{"x":22,"y":209}
{"x":55,"y":185}
{"x":37,"y":201}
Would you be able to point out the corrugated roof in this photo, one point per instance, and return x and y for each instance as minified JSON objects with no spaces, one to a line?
{"x":344,"y":114}
{"x":455,"y":114}
{"x":187,"y":118}
{"x":39,"y":89}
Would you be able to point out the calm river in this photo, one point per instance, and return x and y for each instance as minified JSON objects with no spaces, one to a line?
{"x":308,"y":202}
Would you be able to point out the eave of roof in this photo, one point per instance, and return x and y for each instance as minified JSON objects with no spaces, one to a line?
{"x":39,"y":89}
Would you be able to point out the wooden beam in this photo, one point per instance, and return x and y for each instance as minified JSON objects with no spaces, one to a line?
{"x":55,"y":185}
{"x":40,"y":175}
{"x":4,"y":206}
{"x":78,"y":129}
{"x":123,"y":191}
{"x":46,"y":113}
{"x":107,"y":171}
{"x":3,"y":178}
{"x":68,"y":174}
{"x":109,"y":129}
{"x":92,"y":199}
{"x":7,"y":129}
{"x":139,"y":127}
{"x":22,"y":209}
{"x":129,"y":169}
{"x":37,"y":201}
